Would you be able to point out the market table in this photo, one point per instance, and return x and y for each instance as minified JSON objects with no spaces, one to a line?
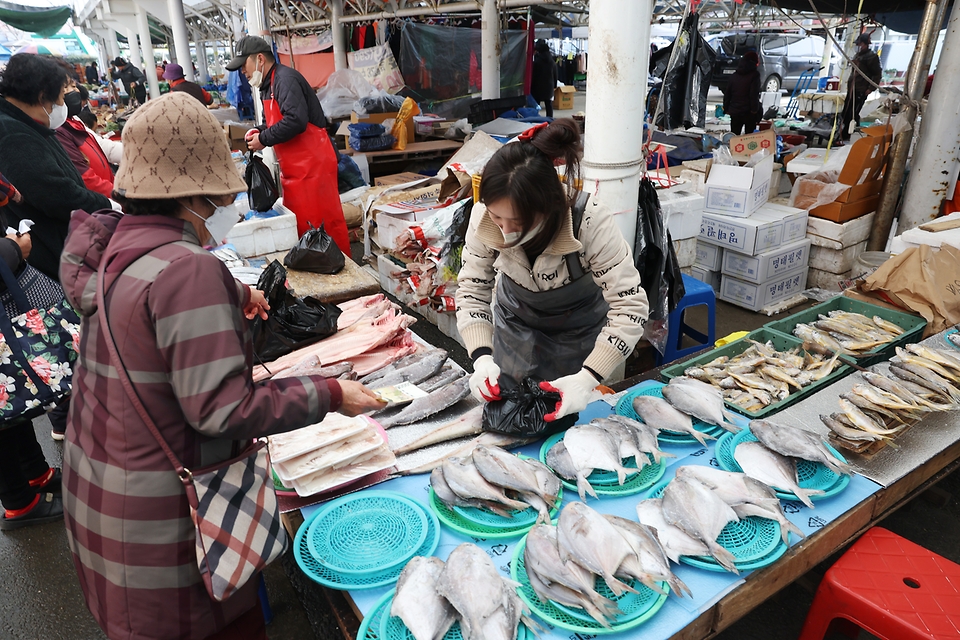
{"x":352,"y":282}
{"x":384,"y":162}
{"x":886,"y":482}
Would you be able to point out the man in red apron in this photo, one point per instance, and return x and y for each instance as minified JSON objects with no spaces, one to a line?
{"x":295,"y":129}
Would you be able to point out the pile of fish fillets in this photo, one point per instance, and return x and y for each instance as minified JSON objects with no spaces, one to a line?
{"x":372,"y":333}
{"x":848,"y":333}
{"x":432,"y":595}
{"x":699,"y":502}
{"x":762,"y":375}
{"x":497,"y":481}
{"x":772,"y":459}
{"x":923,"y":379}
{"x":564,"y":561}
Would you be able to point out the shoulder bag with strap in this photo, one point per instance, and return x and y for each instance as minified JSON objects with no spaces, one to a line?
{"x":233,"y":504}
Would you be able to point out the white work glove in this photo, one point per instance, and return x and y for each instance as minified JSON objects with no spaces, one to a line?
{"x":574,"y":393}
{"x":485,"y":381}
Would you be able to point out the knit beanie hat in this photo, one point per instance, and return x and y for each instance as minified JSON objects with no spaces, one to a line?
{"x":173,"y":148}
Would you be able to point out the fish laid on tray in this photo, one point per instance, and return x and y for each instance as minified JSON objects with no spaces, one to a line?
{"x":432,"y":595}
{"x":497,"y":481}
{"x":922,"y":379}
{"x":431,"y":404}
{"x":762,"y":375}
{"x":564,"y":561}
{"x":848,"y":333}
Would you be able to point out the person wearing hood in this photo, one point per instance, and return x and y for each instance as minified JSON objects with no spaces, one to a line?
{"x":181,"y":324}
{"x":741,"y":98}
{"x":174,"y":74}
{"x":569,"y":305}
{"x":295,"y":129}
{"x":82,"y":147}
{"x":543,"y":81}
{"x":32,"y":108}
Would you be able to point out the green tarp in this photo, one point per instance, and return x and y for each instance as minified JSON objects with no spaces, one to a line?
{"x":43,"y":20}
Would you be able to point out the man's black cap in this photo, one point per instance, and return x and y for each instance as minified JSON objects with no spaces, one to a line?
{"x":248,"y":46}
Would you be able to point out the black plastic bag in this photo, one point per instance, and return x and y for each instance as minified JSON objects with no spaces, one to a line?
{"x":292,"y":322}
{"x":657,"y":263}
{"x":520,"y":411}
{"x":262,"y":189}
{"x":687,"y":81}
{"x":315,"y":252}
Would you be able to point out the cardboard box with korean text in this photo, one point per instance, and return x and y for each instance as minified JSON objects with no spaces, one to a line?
{"x":757,"y":296}
{"x":767,"y":266}
{"x":563,"y":97}
{"x":738,"y":191}
{"x":742,"y":147}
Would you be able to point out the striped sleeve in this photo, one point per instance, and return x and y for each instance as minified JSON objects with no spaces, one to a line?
{"x":201,"y":332}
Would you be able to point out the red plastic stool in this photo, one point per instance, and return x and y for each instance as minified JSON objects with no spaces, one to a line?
{"x":889,"y":586}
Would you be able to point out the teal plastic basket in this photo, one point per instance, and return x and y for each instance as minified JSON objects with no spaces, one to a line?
{"x":370,"y":625}
{"x":493,"y":531}
{"x":810,"y":475}
{"x":635,"y":608}
{"x":367,"y":532}
{"x":947,"y":335}
{"x":325,"y":576}
{"x":392,"y":628}
{"x":912,"y":325}
{"x":751,"y":540}
{"x":625,"y":408}
{"x":634,"y":483}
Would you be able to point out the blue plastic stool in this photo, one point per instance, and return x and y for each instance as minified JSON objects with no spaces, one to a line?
{"x":264,"y":601}
{"x":696,"y":293}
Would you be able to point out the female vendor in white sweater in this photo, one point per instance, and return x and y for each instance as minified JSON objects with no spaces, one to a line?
{"x":569,"y":306}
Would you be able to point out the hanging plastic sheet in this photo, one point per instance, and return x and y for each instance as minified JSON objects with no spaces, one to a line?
{"x":657,"y":262}
{"x":442,"y":66}
{"x":686,"y":77}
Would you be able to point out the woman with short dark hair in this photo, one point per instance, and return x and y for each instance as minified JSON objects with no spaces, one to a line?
{"x":32,"y":108}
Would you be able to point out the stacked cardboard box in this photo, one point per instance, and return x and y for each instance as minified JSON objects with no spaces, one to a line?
{"x":682,"y":208}
{"x":764,"y":257}
{"x":707,"y":265}
{"x":835,"y":249}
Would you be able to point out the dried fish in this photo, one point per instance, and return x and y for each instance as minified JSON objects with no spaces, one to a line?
{"x":443,"y":378}
{"x":425,"y":407}
{"x":466,"y":425}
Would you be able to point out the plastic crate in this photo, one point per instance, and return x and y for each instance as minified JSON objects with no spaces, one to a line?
{"x":913,"y":325}
{"x":781,"y":342}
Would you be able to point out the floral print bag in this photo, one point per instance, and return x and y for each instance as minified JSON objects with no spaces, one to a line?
{"x":37,"y":350}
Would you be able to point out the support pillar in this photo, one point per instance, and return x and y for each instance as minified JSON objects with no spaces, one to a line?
{"x":827,"y":52}
{"x":914,"y":84}
{"x":490,"y":50}
{"x":935,"y":163}
{"x":237,"y":20}
{"x":181,"y":39}
{"x":257,"y":20}
{"x":613,"y":156}
{"x":113,"y":47}
{"x":339,"y":37}
{"x":202,"y":70}
{"x":135,"y":58}
{"x":143,"y":26}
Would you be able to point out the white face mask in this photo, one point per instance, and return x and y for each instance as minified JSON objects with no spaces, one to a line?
{"x":256,"y":78}
{"x":57,"y":115}
{"x":514,"y":238}
{"x":221,"y":221}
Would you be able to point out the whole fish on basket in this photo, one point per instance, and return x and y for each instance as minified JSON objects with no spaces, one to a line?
{"x":699,"y":512}
{"x":649,"y":562}
{"x":676,"y":542}
{"x":772,"y":469}
{"x":700,"y":400}
{"x":797,"y":443}
{"x":645,"y":436}
{"x":590,"y":448}
{"x":534,"y":483}
{"x":588,"y":539}
{"x":464,"y":480}
{"x":626,"y":440}
{"x":425,"y":612}
{"x":662,"y":415}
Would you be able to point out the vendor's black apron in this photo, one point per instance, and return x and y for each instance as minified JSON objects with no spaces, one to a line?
{"x":548,"y":334}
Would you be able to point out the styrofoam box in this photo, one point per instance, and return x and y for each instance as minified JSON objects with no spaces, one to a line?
{"x":709,"y":256}
{"x":683,"y":210}
{"x":711,"y":278}
{"x":836,"y":261}
{"x":686,"y":251}
{"x":769,"y":265}
{"x":258,"y":237}
{"x":746,"y":235}
{"x":794,"y":220}
{"x":738,"y":191}
{"x":757,"y":296}
{"x":825,"y":279}
{"x":831,"y":235}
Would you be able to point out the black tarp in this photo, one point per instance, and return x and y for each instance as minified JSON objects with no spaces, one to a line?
{"x":685,"y":84}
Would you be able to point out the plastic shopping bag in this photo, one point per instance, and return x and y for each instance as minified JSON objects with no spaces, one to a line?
{"x":315,"y":252}
{"x":262,"y":189}
{"x":520,"y":411}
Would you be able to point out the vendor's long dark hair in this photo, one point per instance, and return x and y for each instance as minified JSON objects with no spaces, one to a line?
{"x":525,"y":174}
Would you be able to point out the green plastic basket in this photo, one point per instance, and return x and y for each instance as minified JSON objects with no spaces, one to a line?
{"x":913,"y":325}
{"x":493,"y":530}
{"x":625,"y":408}
{"x":781,"y":342}
{"x":392,"y":628}
{"x":634,"y":483}
{"x":810,"y":475}
{"x":636,"y":608}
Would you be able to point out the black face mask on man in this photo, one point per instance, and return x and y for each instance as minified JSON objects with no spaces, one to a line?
{"x":74,"y":103}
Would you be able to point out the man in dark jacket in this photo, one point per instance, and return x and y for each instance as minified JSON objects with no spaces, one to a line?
{"x":741,"y":98}
{"x":858,"y":87}
{"x":174,"y":74}
{"x":295,"y":129}
{"x":131,"y":78}
{"x":543,"y":82}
